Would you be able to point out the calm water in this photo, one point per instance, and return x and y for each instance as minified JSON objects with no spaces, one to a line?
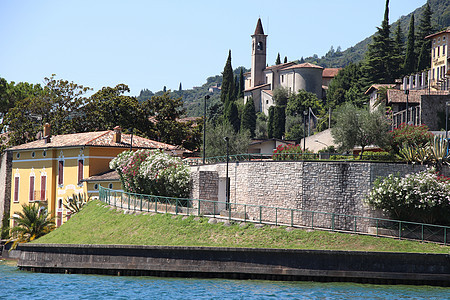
{"x":16,"y":284}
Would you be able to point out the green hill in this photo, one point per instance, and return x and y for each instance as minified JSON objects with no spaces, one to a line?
{"x":115,"y":227}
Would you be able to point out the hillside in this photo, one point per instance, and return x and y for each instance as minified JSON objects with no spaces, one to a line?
{"x":193,"y":98}
{"x":115,"y":227}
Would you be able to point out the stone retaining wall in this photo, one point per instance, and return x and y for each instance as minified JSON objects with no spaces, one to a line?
{"x":332,"y":187}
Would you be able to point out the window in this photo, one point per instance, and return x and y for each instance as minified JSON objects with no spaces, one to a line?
{"x":260,"y":46}
{"x":61,"y":172}
{"x":33,"y":154}
{"x":282,"y":78}
{"x":80,"y":170}
{"x":16,"y":188}
{"x":434,"y":52}
{"x":43,"y":187}
{"x":96,"y":186}
{"x":18,"y":155}
{"x":44,"y":154}
{"x":32,"y":188}
{"x":438,"y":51}
{"x":110,"y":185}
{"x":443,"y":49}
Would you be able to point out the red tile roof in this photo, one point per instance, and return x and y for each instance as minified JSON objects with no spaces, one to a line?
{"x":98,"y":139}
{"x":378,"y":86}
{"x":438,"y":33}
{"x":280,"y":66}
{"x":304,"y":65}
{"x":259,"y":29}
{"x":330,"y":72}
{"x":110,"y":175}
{"x":268,"y":92}
{"x":399,"y":96}
{"x":257,"y":87}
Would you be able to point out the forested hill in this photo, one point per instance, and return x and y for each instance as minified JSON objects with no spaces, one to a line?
{"x":193,"y":98}
{"x":337,"y":59}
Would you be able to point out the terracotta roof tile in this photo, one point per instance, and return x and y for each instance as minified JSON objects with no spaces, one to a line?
{"x":280,"y":66}
{"x":98,"y":138}
{"x":268,"y":92}
{"x":378,"y":86}
{"x":438,"y":33}
{"x":399,"y":96}
{"x":304,"y":65}
{"x":330,"y":72}
{"x":257,"y":87}
{"x":110,"y":175}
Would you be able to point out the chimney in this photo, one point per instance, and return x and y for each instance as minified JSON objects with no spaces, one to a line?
{"x":47,"y":133}
{"x":117,"y":137}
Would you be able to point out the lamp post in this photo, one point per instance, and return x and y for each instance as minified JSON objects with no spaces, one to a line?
{"x":304,"y":130}
{"x":407,"y":104}
{"x":204,"y":130}
{"x":446,"y":122}
{"x":317,"y":141}
{"x":227,"y":187}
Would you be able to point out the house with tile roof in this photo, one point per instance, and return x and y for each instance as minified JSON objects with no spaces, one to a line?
{"x":263,"y":79}
{"x":48,"y":170}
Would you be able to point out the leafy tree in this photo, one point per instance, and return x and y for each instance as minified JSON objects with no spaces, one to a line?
{"x":261,"y":126}
{"x":409,"y":136}
{"x":279,"y":121}
{"x":11,"y":93}
{"x":360,"y":127}
{"x":302,"y":101}
{"x":4,"y":233}
{"x":378,"y":62}
{"x":278,"y":61}
{"x":248,"y":120}
{"x":424,"y":45}
{"x":109,"y":107}
{"x":280,"y":96}
{"x":215,"y":144}
{"x":411,"y":56}
{"x":227,"y":81}
{"x":166,"y":112}
{"x":294,"y":127}
{"x":32,"y":222}
{"x":145,"y":94}
{"x":349,"y":85}
{"x":58,"y":104}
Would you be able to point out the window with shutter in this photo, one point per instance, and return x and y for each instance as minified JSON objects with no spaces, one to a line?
{"x":61,"y":172}
{"x":32,"y":188}
{"x":43,"y":187}
{"x":80,"y":170}
{"x":16,"y":188}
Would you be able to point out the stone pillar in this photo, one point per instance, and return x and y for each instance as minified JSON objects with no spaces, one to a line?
{"x":405,"y":83}
{"x":417,"y":82}
{"x":411,"y":82}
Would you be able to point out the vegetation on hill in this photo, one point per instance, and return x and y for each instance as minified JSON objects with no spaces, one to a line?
{"x":114,"y":227}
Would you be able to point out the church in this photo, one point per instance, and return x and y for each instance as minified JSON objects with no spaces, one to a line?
{"x":262,"y":79}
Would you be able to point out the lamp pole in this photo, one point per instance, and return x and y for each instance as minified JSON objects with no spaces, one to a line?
{"x":304,"y":130}
{"x":204,"y":130}
{"x":407,"y":104}
{"x":446,"y":123}
{"x":227,"y":187}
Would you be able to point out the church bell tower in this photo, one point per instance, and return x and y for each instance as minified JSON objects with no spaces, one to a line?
{"x":259,"y":45}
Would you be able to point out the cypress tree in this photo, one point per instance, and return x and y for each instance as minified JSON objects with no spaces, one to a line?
{"x":285,"y":59}
{"x":248,"y":120}
{"x":241,"y":85}
{"x":398,"y":53}
{"x":410,"y":57}
{"x":278,"y":61}
{"x":270,"y":123}
{"x":302,"y":60}
{"x":232,"y":114}
{"x":236,"y":87}
{"x":279,"y":121}
{"x":180,"y":88}
{"x":227,"y":79}
{"x":378,"y":62}
{"x":424,"y":45}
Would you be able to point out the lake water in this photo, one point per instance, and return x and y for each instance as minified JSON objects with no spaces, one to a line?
{"x":15,"y":284}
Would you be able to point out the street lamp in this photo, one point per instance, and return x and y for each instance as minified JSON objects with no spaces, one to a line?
{"x":407,"y":104}
{"x":204,"y":131}
{"x":227,"y":187}
{"x":446,"y":123}
{"x":317,"y":141}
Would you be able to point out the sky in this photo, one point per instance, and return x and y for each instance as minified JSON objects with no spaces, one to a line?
{"x":151,"y":44}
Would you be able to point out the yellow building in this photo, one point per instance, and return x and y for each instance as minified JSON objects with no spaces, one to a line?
{"x":440,"y":59}
{"x":47,"y":171}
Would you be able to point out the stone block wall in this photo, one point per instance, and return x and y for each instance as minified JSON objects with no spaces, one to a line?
{"x":338,"y":188}
{"x":431,"y":107}
{"x":205,"y":186}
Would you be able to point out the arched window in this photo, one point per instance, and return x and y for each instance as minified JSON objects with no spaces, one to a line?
{"x":260,"y":46}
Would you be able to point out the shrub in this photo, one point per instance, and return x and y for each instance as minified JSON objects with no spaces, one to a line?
{"x":421,"y":197}
{"x":152,"y":172}
{"x":292,"y":152}
{"x":409,"y":135}
{"x":378,"y":156}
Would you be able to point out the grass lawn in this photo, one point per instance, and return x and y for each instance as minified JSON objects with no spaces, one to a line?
{"x":97,"y":223}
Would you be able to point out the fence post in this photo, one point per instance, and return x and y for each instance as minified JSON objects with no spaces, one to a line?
{"x":332,"y":222}
{"x":198,"y":207}
{"x":260,"y":214}
{"x":312,"y":220}
{"x":445,"y":235}
{"x":400,"y":230}
{"x":176,"y":207}
{"x":377,"y":227}
{"x":229,"y":212}
{"x":141,"y":202}
{"x":355,"y":223}
{"x":422,"y":232}
{"x":245,"y":213}
{"x":276,"y":216}
{"x":292,"y":217}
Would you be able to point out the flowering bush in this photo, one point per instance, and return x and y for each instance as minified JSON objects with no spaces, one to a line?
{"x":421,"y":197}
{"x":409,"y":135}
{"x":152,"y":172}
{"x":291,"y":152}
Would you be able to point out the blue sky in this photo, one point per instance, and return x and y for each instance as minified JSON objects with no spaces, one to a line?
{"x":149,"y":44}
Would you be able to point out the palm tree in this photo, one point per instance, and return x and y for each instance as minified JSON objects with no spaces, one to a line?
{"x":32,"y":223}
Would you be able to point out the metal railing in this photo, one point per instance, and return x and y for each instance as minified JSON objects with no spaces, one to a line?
{"x":262,"y":214}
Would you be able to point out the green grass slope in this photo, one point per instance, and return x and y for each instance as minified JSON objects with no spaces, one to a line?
{"x":98,"y":223}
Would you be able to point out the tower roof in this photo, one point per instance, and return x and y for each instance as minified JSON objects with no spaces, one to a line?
{"x":259,"y":29}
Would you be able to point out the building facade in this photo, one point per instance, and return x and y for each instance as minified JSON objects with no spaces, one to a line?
{"x":49,"y":170}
